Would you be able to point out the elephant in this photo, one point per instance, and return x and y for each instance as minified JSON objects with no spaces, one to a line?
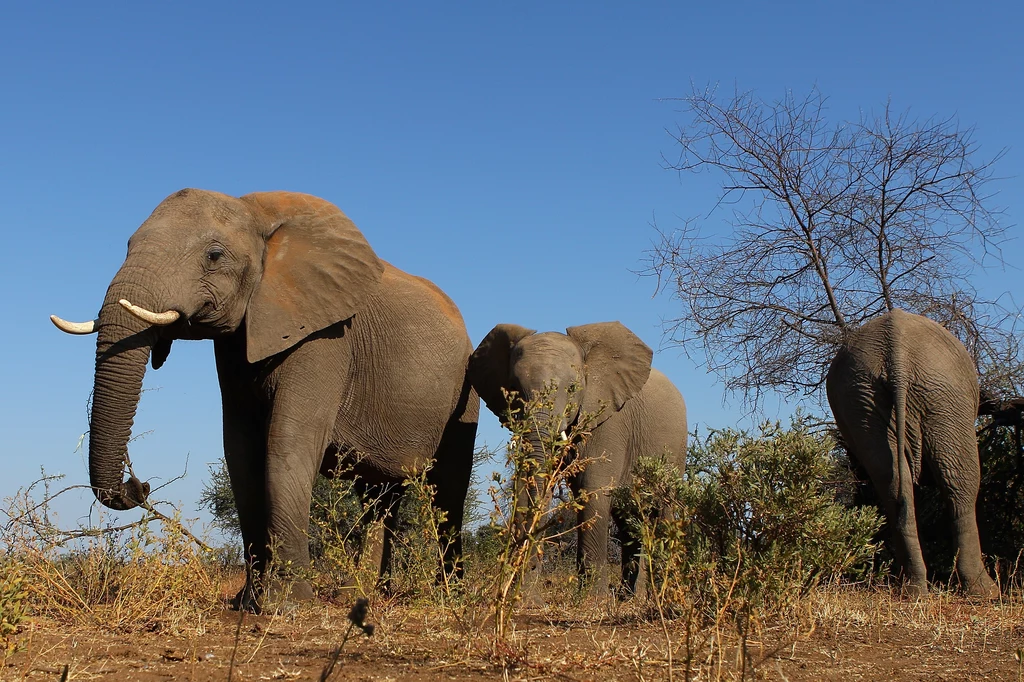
{"x":904,"y":393}
{"x":325,"y":354}
{"x":639,"y":412}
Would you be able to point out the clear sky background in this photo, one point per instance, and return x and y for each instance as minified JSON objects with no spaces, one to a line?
{"x":510,"y":152}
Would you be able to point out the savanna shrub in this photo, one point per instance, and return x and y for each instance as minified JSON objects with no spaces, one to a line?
{"x":532,"y":501}
{"x":335,"y":509}
{"x":146,"y":575}
{"x":1001,"y":501}
{"x":339,"y":524}
{"x":752,"y":524}
{"x":13,"y":603}
{"x":218,"y":499}
{"x":343,"y":526}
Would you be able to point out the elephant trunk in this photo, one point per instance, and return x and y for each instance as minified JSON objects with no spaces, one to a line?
{"x":528,"y":496}
{"x":122,"y":348}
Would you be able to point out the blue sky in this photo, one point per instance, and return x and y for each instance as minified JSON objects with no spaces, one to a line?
{"x":510,"y":152}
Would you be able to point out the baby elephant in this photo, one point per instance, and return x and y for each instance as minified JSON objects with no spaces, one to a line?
{"x":639,"y":412}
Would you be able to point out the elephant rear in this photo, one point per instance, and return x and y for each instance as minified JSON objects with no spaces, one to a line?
{"x":904,"y":393}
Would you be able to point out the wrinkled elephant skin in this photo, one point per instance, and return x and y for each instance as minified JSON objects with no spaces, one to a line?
{"x":639,"y":412}
{"x":324,"y":353}
{"x":904,"y":392}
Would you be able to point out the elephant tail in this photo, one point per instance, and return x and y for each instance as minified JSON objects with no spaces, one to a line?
{"x":899,"y":379}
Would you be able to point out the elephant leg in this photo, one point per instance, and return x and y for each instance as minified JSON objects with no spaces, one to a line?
{"x":594,"y":518}
{"x":969,"y":563}
{"x":296,"y":441}
{"x":291,"y":472}
{"x":874,"y":449}
{"x":303,"y":408}
{"x":245,"y":455}
{"x":592,"y":547}
{"x":900,"y":496}
{"x":631,"y":556}
{"x":450,"y":474}
{"x":960,"y":485}
{"x":912,"y":557}
{"x":378,"y":549}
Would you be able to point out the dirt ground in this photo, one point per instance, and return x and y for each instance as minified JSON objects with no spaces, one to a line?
{"x":842,"y":635}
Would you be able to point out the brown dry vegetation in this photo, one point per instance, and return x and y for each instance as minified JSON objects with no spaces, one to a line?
{"x":836,"y":634}
{"x":146,"y":601}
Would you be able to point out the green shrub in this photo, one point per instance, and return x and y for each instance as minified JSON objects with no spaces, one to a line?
{"x":1001,"y":501}
{"x":13,"y":603}
{"x":218,"y":499}
{"x":341,"y":526}
{"x":421,"y":545}
{"x":752,"y":524}
{"x":335,"y":509}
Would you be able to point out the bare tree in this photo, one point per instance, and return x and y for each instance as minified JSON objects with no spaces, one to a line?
{"x":832,"y":224}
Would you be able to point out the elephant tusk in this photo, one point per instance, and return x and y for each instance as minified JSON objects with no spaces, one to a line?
{"x":160,"y":319}
{"x":74,"y":327}
{"x":564,"y":437}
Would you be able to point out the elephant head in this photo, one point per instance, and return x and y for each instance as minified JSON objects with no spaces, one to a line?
{"x":274,"y":266}
{"x":608,"y":363}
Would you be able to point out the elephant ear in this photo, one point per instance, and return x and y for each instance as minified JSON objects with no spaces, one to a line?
{"x":489,"y":365}
{"x":617,"y":362}
{"x":318,"y":270}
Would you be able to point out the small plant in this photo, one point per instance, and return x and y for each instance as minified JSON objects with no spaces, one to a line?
{"x":218,"y":499}
{"x":144,"y":575}
{"x":750,"y":527}
{"x":356,"y":619}
{"x":421,"y":565}
{"x":535,"y":496}
{"x":13,"y":603}
{"x":342,"y":528}
{"x":347,"y":525}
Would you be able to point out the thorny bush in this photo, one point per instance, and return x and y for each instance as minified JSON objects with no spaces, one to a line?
{"x":751,"y":526}
{"x":148,"y":574}
{"x":533,"y":498}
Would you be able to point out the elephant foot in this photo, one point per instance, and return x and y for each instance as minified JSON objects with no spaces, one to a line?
{"x":915,"y":589}
{"x":246,"y":600}
{"x":983,"y":588}
{"x":284,"y":596}
{"x":281,"y":597}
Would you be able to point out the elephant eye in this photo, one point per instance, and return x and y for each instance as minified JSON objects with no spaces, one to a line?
{"x":214,"y":255}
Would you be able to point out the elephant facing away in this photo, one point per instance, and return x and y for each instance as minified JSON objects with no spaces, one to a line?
{"x":639,"y":411}
{"x":904,"y":393}
{"x":325,"y":354}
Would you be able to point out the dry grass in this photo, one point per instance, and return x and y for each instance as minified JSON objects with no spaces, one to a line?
{"x":146,"y":601}
{"x":150,"y":574}
{"x":835,"y":632}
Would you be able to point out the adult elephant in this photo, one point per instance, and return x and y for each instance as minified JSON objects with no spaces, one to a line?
{"x":904,"y":392}
{"x":325,"y":354}
{"x":638,"y":412}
